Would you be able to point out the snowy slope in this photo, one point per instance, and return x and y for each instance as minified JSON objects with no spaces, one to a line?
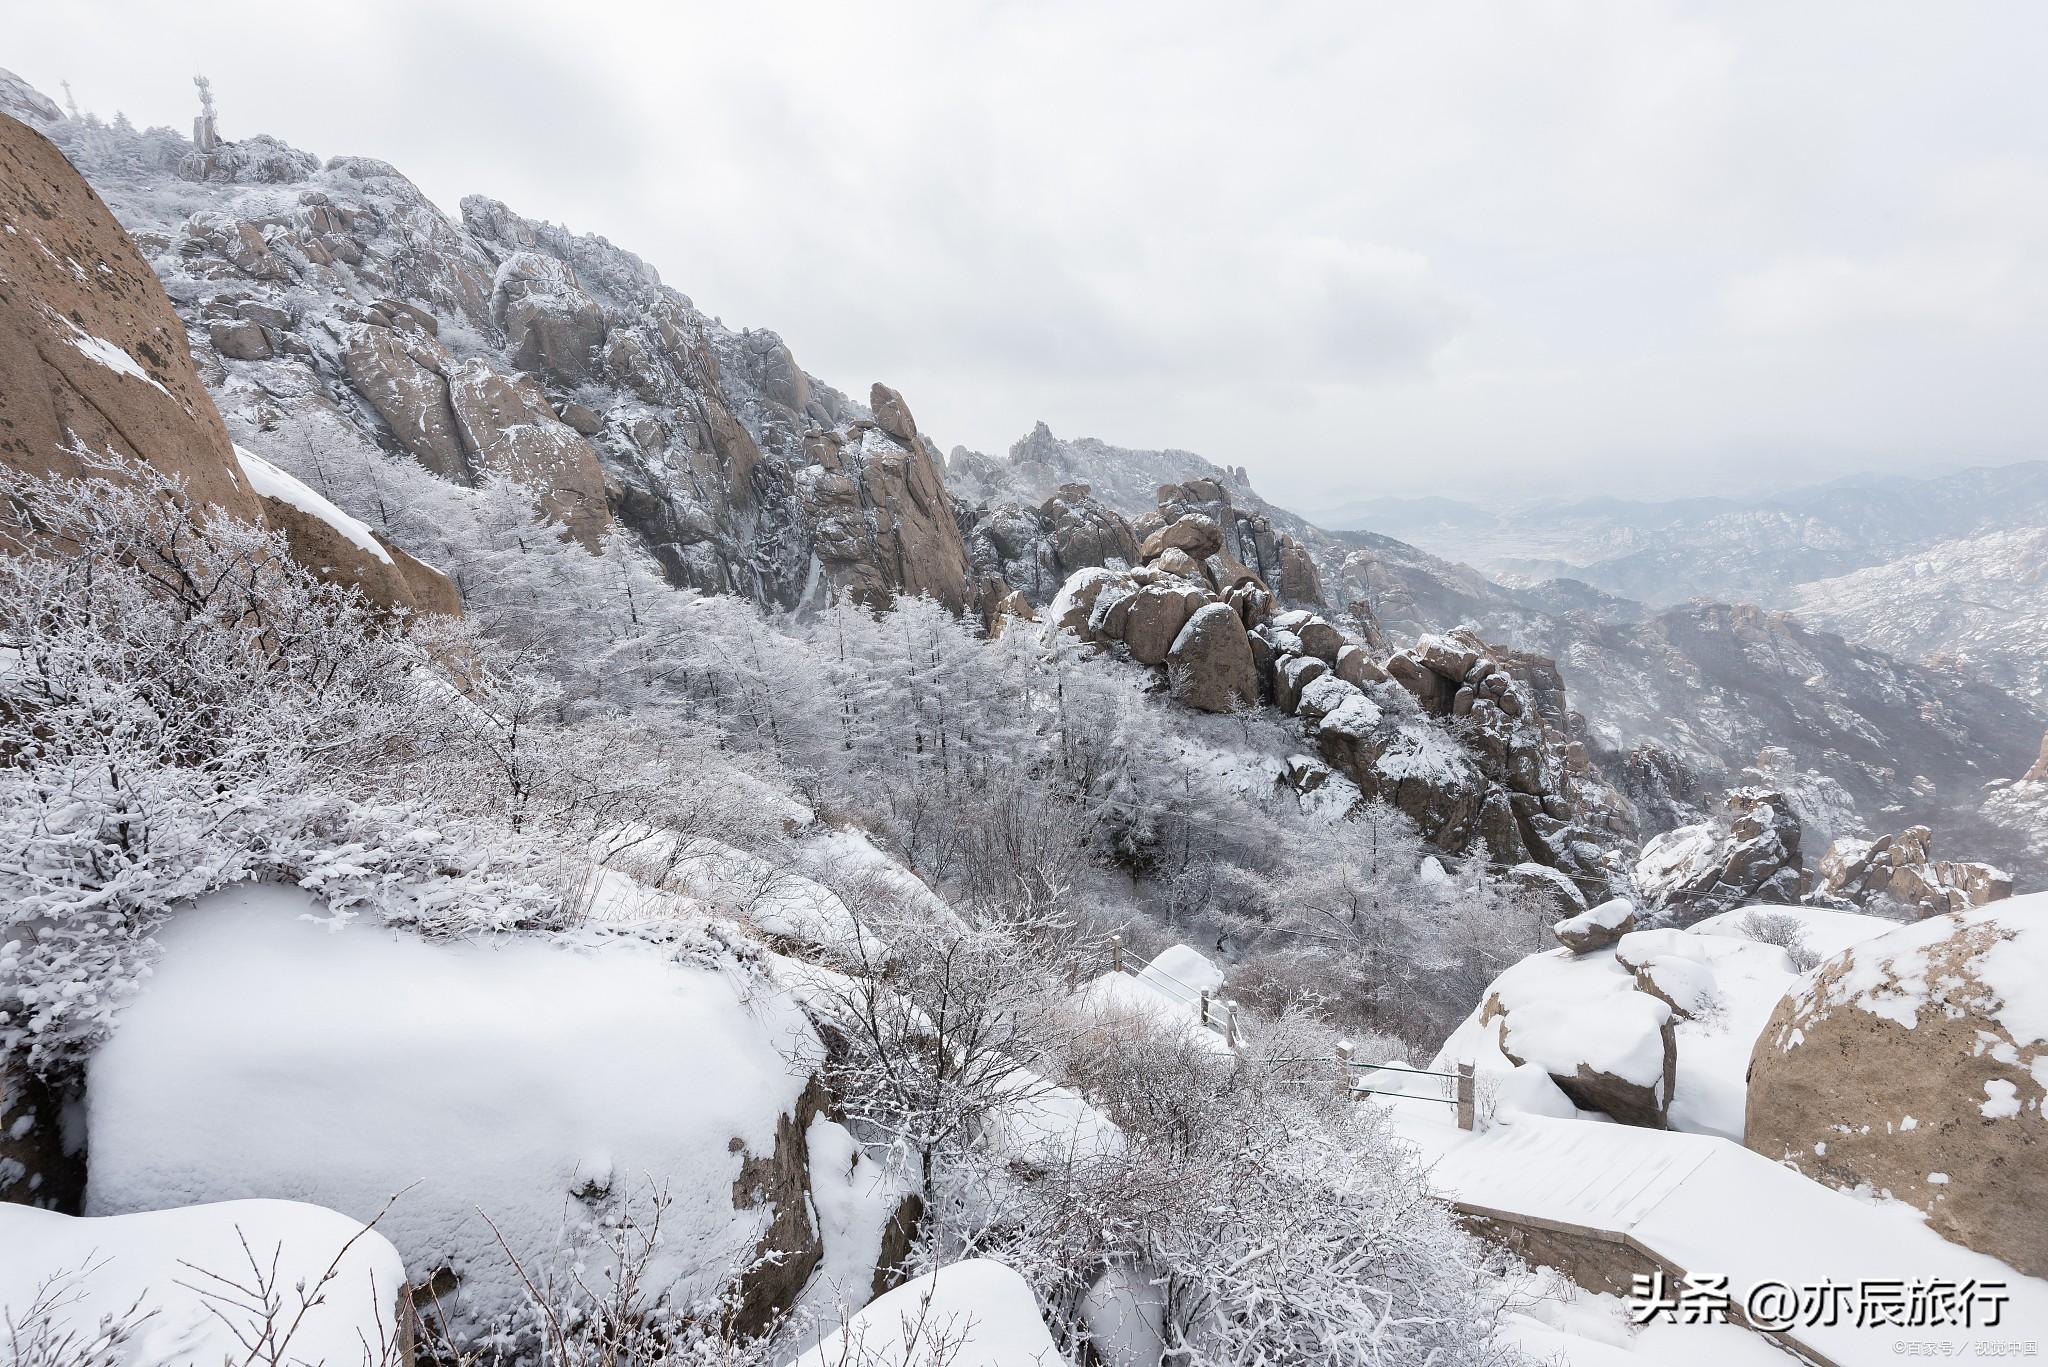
{"x":1979,"y":603}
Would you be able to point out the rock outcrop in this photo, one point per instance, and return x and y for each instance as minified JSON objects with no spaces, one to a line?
{"x":1915,"y":1065}
{"x":1597,"y":927}
{"x":1749,"y":853}
{"x":492,"y":346}
{"x":1033,"y":551}
{"x":1209,"y":664}
{"x":95,"y":367}
{"x":1901,"y":872}
{"x":881,"y":520}
{"x":1454,"y":733}
{"x":93,"y":359}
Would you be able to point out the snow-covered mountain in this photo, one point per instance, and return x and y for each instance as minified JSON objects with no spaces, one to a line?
{"x":1978,"y":604}
{"x":757,"y":867}
{"x":1735,"y":550}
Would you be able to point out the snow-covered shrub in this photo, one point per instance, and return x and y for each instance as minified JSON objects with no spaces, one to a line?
{"x":183,"y":706}
{"x":1785,"y":930}
{"x":1249,"y":1215}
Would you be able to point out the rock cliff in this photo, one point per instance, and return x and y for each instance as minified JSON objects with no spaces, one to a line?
{"x":96,"y":371}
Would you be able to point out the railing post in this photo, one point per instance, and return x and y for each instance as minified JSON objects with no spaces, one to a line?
{"x":1468,"y":1099}
{"x":1116,"y":953}
{"x":1230,"y":1023}
{"x":1344,"y":1070}
{"x":1205,"y":1006}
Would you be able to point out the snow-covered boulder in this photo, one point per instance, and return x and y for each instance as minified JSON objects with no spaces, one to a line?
{"x":549,"y":1084}
{"x":1660,"y":1023}
{"x":976,"y":1313}
{"x":1749,"y":853}
{"x":1608,"y":1047}
{"x":158,"y":1288}
{"x":1596,"y":927}
{"x":1916,"y":1064}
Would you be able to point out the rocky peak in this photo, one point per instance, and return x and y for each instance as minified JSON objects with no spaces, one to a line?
{"x":1900,"y":873}
{"x":1749,"y":852}
{"x":95,"y":363}
{"x":499,"y":346}
{"x":22,"y":101}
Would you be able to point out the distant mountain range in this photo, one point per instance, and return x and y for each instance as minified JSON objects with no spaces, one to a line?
{"x":1733,"y":550}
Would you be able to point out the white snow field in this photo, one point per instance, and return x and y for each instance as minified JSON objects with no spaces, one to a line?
{"x":976,"y":1313}
{"x":1709,"y":1206}
{"x":68,"y":1286}
{"x":546,"y":1083}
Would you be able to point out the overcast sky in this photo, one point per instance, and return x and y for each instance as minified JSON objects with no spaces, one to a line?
{"x":1412,"y":247}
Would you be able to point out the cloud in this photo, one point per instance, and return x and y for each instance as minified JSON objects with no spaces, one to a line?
{"x":1632,"y":243}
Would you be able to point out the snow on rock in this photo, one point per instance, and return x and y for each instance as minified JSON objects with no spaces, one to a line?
{"x":1919,"y":1052}
{"x":976,"y":1313}
{"x":1607,"y":1046}
{"x":547,"y":1083}
{"x":1703,"y":993}
{"x":1749,"y":852}
{"x":775,"y":897}
{"x":847,"y":860}
{"x":66,"y":1281}
{"x":1040,"y":1127}
{"x":106,"y":353}
{"x":855,"y":1198}
{"x":271,"y":482}
{"x":1596,"y":927}
{"x":1900,"y":871}
{"x":1183,"y":972}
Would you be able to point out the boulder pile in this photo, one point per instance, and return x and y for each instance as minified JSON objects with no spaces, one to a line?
{"x":1451,"y":731}
{"x":1900,"y":871}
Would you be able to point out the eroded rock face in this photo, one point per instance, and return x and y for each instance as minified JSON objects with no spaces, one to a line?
{"x":95,"y":363}
{"x":882,"y":522}
{"x":93,"y":359}
{"x":508,"y":429}
{"x":1916,"y":1064}
{"x":1748,"y":854}
{"x":892,"y":415}
{"x":1209,"y":664}
{"x":1900,"y":871}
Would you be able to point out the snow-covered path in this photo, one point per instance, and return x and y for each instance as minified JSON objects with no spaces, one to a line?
{"x":1704,"y":1206}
